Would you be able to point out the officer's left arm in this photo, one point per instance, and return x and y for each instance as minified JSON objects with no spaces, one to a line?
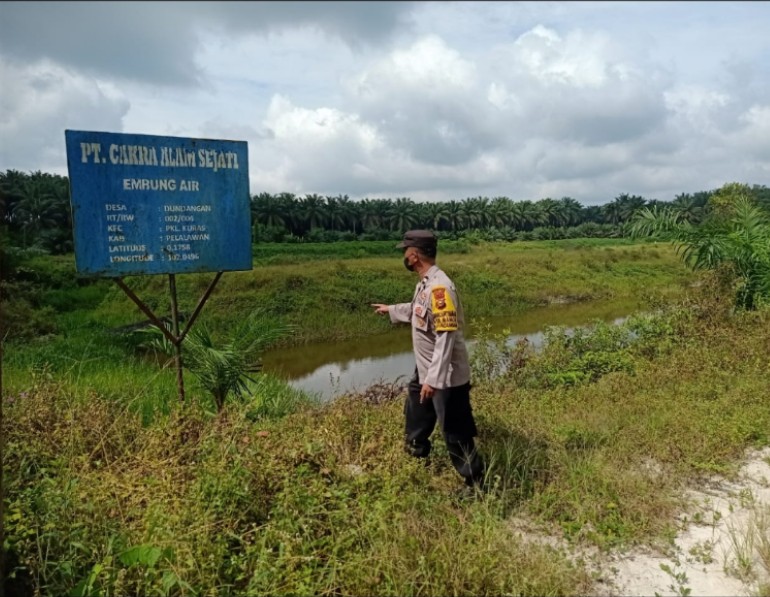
{"x":445,"y":324}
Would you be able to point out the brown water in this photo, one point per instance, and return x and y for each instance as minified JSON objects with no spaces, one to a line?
{"x":332,"y":368}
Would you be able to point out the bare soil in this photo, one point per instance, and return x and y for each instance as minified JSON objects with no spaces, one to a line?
{"x":719,"y":549}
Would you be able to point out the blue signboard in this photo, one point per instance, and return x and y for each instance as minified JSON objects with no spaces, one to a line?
{"x":144,"y":204}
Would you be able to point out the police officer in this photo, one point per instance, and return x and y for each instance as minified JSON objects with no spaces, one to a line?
{"x":440,"y":388}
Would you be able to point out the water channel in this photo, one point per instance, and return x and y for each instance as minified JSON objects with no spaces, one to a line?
{"x":333,"y":368}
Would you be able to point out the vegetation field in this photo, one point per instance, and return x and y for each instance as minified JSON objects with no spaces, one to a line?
{"x":320,"y":294}
{"x":112,"y":487}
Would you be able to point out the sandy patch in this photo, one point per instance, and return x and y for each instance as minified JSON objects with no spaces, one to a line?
{"x":717,"y":549}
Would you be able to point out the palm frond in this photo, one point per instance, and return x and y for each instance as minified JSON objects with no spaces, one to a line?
{"x":658,"y":221}
{"x":735,"y":233}
{"x":223,"y":368}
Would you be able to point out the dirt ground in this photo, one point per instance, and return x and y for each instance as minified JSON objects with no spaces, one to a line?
{"x":718,"y":550}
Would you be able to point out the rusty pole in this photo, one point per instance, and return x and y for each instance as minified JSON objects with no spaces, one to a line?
{"x":177,"y":339}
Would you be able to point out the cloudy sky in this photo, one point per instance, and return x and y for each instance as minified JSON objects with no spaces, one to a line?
{"x":428,"y":100}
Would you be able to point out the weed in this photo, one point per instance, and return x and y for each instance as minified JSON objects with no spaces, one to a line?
{"x":680,"y":579}
{"x":703,"y":552}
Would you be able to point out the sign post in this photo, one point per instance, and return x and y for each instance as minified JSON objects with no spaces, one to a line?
{"x":144,"y":204}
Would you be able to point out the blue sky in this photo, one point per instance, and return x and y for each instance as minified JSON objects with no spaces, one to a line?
{"x":435,"y":101}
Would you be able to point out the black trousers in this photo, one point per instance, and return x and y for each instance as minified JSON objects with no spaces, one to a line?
{"x":451,"y":408}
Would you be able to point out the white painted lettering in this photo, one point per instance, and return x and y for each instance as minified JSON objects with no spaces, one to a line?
{"x":200,"y":208}
{"x":217,"y":160}
{"x":133,"y":155}
{"x":90,"y":149}
{"x":129,"y":258}
{"x":128,"y":249}
{"x":177,"y":156}
{"x":189,"y":185}
{"x":149,"y":184}
{"x":186,"y":237}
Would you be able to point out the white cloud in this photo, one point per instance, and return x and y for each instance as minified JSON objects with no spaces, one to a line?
{"x":577,"y":61}
{"x":425,"y":102}
{"x":45,"y":100}
{"x":754,"y":135}
{"x":321,"y":141}
{"x":432,"y":100}
{"x":428,"y":66}
{"x":696,"y":106}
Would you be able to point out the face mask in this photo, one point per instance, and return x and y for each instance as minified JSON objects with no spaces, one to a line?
{"x":408,"y":265}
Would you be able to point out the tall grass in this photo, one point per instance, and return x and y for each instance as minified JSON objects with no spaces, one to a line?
{"x":318,"y":299}
{"x":328,"y":299}
{"x":321,"y":499}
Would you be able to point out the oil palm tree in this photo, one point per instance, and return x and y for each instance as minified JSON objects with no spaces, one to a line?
{"x":499,"y":213}
{"x":312,"y":210}
{"x":373,"y":213}
{"x":11,"y":185}
{"x":36,"y":210}
{"x":455,"y":215}
{"x":223,"y":368}
{"x":267,"y":209}
{"x":470,"y":214}
{"x":334,"y":213}
{"x":350,"y":212}
{"x":734,"y":238}
{"x":570,"y":211}
{"x":435,"y":214}
{"x":519,"y":215}
{"x":686,"y":205}
{"x":404,"y":214}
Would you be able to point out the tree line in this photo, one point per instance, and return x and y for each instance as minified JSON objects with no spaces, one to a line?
{"x":35,"y":212}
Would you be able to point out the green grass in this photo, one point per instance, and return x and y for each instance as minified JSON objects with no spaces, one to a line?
{"x":591,"y":438}
{"x":328,"y":299}
{"x":323,"y":300}
{"x":322,"y":500}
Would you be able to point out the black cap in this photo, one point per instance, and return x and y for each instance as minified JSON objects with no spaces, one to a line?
{"x":420,"y":239}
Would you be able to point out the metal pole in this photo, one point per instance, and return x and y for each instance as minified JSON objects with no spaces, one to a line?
{"x":173,"y":336}
{"x":201,"y":302}
{"x":177,"y":339}
{"x":146,"y":310}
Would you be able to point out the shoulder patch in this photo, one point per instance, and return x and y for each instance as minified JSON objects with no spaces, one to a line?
{"x":444,"y":312}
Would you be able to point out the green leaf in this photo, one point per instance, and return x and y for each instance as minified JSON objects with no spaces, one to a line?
{"x":141,"y":555}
